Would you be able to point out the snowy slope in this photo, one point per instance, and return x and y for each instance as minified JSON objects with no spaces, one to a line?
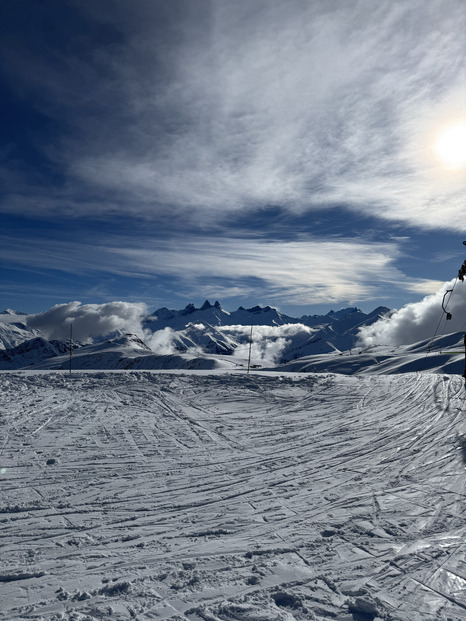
{"x":227,"y":347}
{"x":129,"y":352}
{"x":122,"y":352}
{"x":13,"y":334}
{"x":32,"y":352}
{"x":222,"y":497}
{"x":443,"y":354}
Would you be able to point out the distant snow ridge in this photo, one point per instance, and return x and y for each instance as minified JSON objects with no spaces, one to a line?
{"x":214,"y":314}
{"x":256,"y":315}
{"x":31,"y":352}
{"x":13,"y":334}
{"x":9,"y":311}
{"x":276,"y":337}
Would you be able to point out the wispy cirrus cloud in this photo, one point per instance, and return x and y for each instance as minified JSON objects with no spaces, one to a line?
{"x":302,"y":272}
{"x":236,"y":105}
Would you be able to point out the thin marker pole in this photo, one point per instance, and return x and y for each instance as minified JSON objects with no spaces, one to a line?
{"x":250,"y":345}
{"x":71,"y":343}
{"x":464,"y":373}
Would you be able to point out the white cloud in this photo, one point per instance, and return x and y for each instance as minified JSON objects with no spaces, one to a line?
{"x":261,"y":332}
{"x":268,"y":342}
{"x":89,"y":320}
{"x":162,"y":342}
{"x":425,"y":287}
{"x":420,"y":320}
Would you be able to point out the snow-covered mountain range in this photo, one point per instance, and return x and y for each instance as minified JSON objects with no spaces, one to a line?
{"x":215,"y":315}
{"x":210,"y":337}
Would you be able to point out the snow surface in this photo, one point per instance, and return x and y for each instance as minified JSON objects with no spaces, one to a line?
{"x":227,"y":496}
{"x":443,"y":354}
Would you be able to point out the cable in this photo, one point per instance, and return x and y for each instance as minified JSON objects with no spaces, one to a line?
{"x":444,"y":312}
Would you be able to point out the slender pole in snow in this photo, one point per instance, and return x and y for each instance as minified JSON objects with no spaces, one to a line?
{"x":250,"y":345}
{"x":464,"y":372}
{"x":71,"y":343}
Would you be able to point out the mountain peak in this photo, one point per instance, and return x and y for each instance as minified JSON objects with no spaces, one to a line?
{"x":343,"y":312}
{"x":380,"y":310}
{"x":10,"y":311}
{"x":259,"y":309}
{"x":189,"y":308}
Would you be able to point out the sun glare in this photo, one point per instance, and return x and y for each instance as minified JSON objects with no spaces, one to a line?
{"x":450,"y":146}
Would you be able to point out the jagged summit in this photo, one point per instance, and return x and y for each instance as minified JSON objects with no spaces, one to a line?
{"x":212,"y":314}
{"x":207,"y":305}
{"x":343,"y":311}
{"x":380,"y":311}
{"x":10,"y":311}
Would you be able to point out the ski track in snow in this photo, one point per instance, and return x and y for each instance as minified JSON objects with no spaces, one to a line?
{"x":187,"y":496}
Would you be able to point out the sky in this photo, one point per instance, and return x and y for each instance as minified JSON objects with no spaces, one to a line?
{"x":305,"y":154}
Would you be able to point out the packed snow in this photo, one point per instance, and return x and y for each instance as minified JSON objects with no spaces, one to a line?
{"x":222,"y":496}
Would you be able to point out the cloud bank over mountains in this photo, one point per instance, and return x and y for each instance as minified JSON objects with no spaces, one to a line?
{"x":421,"y":320}
{"x":88,"y":320}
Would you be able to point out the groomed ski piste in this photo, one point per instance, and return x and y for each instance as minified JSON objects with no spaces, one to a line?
{"x":226,"y":496}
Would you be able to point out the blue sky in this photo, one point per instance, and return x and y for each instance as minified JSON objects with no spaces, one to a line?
{"x":297,"y":153}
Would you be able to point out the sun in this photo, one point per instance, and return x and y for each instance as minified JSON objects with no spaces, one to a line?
{"x":450,"y":146}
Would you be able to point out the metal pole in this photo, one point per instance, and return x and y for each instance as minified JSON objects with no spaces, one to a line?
{"x":250,"y":345}
{"x":464,"y":373}
{"x":71,"y":343}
